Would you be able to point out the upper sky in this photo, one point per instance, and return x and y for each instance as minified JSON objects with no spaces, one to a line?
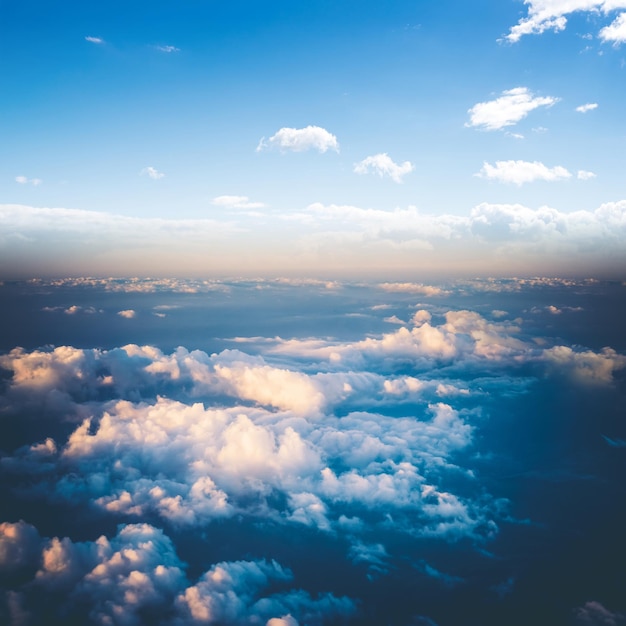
{"x":312,"y":137}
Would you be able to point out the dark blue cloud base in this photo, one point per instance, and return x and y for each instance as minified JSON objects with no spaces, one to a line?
{"x":307,"y":452}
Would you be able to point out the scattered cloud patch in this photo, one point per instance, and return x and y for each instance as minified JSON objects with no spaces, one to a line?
{"x":24,"y":180}
{"x":300,"y":140}
{"x":551,"y":15}
{"x":152,"y":173}
{"x":127,"y":313}
{"x":382,"y":165}
{"x":521,"y":172}
{"x":168,"y":49}
{"x":508,"y":109}
{"x":96,"y":40}
{"x":585,"y":108}
{"x":236,"y":202}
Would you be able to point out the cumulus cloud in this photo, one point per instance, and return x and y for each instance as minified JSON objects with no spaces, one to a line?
{"x":520,"y":172}
{"x":151,"y":172}
{"x":508,"y":109}
{"x":24,"y":180}
{"x":585,"y":108}
{"x":552,"y":15}
{"x":137,"y":576}
{"x":301,"y":139}
{"x":382,"y":165}
{"x":127,"y":313}
{"x":236,"y":202}
{"x":616,"y":31}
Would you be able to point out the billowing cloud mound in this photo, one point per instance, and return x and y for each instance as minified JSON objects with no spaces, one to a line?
{"x":136,"y":577}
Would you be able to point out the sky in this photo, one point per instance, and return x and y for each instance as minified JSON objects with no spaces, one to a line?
{"x":312,"y":138}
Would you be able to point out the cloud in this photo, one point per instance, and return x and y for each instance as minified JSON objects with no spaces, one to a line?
{"x":136,"y":576}
{"x":586,"y":366}
{"x":236,"y":202}
{"x":382,"y":165}
{"x":594,"y":613}
{"x":584,"y":108}
{"x":96,"y":40}
{"x":168,"y":49}
{"x":416,"y":288}
{"x":301,"y":139}
{"x":520,"y":172}
{"x":23,"y":180}
{"x":508,"y":109}
{"x":585,"y":175}
{"x":546,"y":15}
{"x":152,"y":173}
{"x":616,"y":31}
{"x":127,"y":313}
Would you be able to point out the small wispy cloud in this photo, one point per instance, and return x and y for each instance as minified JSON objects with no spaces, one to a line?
{"x":590,"y":106}
{"x":383,"y":165}
{"x":508,"y":109}
{"x":97,"y":40}
{"x":127,"y":313}
{"x":152,"y":173}
{"x":300,"y":139}
{"x":167,"y":49}
{"x":585,"y":175}
{"x":520,"y":172}
{"x":24,"y":180}
{"x":236,"y":202}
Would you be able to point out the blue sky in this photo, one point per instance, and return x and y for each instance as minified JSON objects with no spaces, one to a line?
{"x":155,"y":111}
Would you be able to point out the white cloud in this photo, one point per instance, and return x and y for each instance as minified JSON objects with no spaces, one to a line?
{"x":94,"y":40}
{"x":152,"y":173}
{"x":585,"y":175}
{"x":546,"y":15}
{"x":301,"y":139}
{"x":584,"y":108}
{"x":127,"y":313}
{"x":615,"y":32}
{"x":508,"y":109}
{"x":236,"y":202}
{"x":417,"y":288}
{"x":520,"y":172}
{"x":23,"y":180}
{"x":382,"y":165}
{"x":168,"y":49}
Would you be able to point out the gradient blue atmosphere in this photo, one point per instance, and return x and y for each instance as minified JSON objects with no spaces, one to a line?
{"x":312,"y":313}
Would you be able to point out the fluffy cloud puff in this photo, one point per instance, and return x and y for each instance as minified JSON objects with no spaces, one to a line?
{"x":520,"y":172}
{"x":301,"y":139}
{"x":382,"y":165}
